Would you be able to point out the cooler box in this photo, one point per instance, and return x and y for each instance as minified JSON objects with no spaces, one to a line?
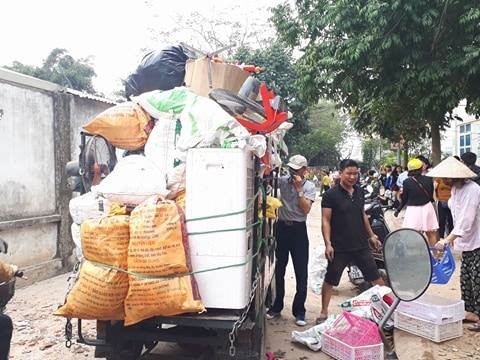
{"x":220,"y":181}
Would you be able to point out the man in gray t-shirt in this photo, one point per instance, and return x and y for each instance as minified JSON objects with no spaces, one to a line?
{"x":297,"y":196}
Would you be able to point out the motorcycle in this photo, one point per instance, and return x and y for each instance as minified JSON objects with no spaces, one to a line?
{"x":376,"y":218}
{"x":7,"y":290}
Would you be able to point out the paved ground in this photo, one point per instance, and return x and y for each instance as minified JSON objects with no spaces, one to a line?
{"x":39,"y":335}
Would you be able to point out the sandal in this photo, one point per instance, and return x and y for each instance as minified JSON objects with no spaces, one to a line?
{"x":321,"y":319}
{"x":475,"y":327}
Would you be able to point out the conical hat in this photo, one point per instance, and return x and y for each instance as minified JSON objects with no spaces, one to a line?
{"x":451,"y":168}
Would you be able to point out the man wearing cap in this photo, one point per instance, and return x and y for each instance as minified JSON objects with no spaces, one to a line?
{"x":465,"y":236}
{"x":297,"y":195}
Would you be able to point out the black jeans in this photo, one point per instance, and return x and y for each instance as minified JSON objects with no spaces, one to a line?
{"x":292,"y":239}
{"x":445,"y":219}
{"x":6,"y":330}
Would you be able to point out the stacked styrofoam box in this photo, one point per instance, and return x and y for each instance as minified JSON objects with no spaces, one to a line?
{"x":431,"y":317}
{"x":220,"y":181}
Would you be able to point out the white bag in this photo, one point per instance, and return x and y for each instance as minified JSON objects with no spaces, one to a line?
{"x":160,"y":146}
{"x":134,"y":180}
{"x":88,"y":206}
{"x":206,"y":124}
{"x":176,"y":180}
{"x":312,"y":337}
{"x":318,"y":269}
{"x":365,"y":298}
{"x":77,"y":251}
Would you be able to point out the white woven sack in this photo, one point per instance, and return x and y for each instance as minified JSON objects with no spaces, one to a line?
{"x":134,"y":179}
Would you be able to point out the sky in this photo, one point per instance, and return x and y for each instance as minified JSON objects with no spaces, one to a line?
{"x":114,"y":33}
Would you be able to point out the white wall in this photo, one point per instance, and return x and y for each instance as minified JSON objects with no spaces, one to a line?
{"x":39,"y":133}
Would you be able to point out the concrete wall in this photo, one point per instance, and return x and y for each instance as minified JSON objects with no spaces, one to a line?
{"x":40,"y":124}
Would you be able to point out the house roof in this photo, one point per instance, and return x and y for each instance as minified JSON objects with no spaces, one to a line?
{"x":25,"y":80}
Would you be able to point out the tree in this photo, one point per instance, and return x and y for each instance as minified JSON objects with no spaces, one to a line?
{"x":61,"y":68}
{"x":420,"y":56}
{"x":321,"y":145}
{"x":215,"y":27}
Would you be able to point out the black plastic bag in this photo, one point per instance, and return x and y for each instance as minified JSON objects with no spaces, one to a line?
{"x":158,"y":70}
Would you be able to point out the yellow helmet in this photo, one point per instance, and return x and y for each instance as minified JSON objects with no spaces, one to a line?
{"x":414,"y":164}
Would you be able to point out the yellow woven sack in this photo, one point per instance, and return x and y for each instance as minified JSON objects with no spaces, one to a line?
{"x":100,"y":291}
{"x":125,"y":126}
{"x":105,"y":240}
{"x":159,"y":247}
{"x":99,"y":294}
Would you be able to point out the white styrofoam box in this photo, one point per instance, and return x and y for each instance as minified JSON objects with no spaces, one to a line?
{"x":220,"y":181}
{"x":434,"y":309}
{"x":428,"y":329}
{"x":224,"y":288}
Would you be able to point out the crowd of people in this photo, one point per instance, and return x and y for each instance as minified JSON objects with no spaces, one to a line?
{"x":442,"y":202}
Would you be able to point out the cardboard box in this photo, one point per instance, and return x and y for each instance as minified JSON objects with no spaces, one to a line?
{"x":223,"y":76}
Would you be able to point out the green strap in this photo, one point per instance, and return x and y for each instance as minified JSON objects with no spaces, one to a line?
{"x":249,"y":207}
{"x":261,"y":190}
{"x":248,"y":227}
{"x":172,"y":276}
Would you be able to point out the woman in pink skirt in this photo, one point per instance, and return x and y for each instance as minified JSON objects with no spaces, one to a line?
{"x":417,"y":195}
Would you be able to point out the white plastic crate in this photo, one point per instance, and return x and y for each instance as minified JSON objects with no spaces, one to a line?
{"x":427,"y":329}
{"x":341,"y":351}
{"x":435,"y":309}
{"x":220,"y":181}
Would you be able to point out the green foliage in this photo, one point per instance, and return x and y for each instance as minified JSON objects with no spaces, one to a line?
{"x":61,"y":68}
{"x":376,"y":152}
{"x":388,"y":62}
{"x":321,"y":145}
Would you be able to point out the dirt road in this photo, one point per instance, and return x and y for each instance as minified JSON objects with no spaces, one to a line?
{"x":39,"y":335}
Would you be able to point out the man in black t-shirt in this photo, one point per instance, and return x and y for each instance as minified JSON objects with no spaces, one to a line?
{"x":347,"y":233}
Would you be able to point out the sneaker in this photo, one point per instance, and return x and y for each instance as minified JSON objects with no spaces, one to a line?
{"x":300,"y":320}
{"x":272,"y":315}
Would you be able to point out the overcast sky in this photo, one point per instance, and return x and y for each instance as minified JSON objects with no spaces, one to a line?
{"x":113,"y":32}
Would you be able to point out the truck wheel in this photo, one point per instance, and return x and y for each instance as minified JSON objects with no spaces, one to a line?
{"x":128,"y":351}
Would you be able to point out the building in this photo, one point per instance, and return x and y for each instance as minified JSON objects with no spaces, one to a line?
{"x":462,"y":136}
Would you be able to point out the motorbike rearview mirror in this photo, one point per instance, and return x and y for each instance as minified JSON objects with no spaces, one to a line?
{"x":408,"y":263}
{"x":409,"y":270}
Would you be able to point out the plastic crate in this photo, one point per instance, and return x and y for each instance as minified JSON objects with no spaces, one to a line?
{"x":341,"y":351}
{"x":353,"y":338}
{"x":435,"y":309}
{"x":427,"y":329}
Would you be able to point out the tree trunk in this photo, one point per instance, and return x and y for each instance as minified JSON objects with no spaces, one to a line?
{"x":436,"y":147}
{"x":405,"y":154}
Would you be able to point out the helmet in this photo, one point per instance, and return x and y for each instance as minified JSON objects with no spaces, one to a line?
{"x":414,"y":164}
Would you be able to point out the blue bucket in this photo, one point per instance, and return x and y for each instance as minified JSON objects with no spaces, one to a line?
{"x":443,"y":269}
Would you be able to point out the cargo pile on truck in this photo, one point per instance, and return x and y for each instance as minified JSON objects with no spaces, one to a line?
{"x":169,"y":230}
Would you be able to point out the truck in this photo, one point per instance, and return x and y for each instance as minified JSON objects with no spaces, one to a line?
{"x":218,"y":333}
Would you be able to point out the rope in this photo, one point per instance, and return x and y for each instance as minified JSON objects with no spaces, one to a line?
{"x":249,"y":207}
{"x":261,"y":190}
{"x":172,"y":276}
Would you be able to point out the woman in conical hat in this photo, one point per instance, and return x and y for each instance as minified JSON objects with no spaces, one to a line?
{"x":465,"y":236}
{"x":417,"y":195}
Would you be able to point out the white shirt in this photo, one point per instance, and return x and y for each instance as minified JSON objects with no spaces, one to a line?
{"x":401,"y":178}
{"x":465,"y":208}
